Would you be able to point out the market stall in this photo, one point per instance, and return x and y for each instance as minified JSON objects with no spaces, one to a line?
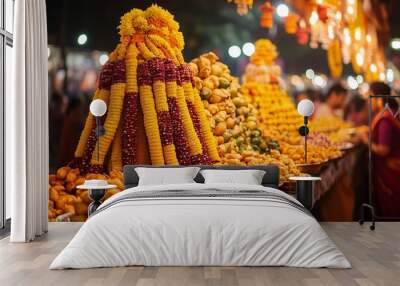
{"x":165,"y":110}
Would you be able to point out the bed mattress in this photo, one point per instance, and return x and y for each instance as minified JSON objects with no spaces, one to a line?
{"x":201,"y":225}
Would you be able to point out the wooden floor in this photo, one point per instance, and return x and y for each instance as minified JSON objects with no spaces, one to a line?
{"x":375,"y":257}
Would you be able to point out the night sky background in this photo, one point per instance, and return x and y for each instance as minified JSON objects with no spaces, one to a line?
{"x":207,"y":25}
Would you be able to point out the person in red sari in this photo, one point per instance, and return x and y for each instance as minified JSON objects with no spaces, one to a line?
{"x":386,"y":159}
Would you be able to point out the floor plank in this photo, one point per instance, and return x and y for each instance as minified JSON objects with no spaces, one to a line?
{"x":375,"y":257}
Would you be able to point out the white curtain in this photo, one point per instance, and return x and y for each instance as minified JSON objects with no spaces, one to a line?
{"x":27,"y":123}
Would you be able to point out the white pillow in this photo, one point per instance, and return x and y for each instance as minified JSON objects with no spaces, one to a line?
{"x":166,"y":176}
{"x":246,"y":177}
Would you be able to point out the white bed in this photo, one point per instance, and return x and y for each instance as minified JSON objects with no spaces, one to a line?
{"x":225,"y":225}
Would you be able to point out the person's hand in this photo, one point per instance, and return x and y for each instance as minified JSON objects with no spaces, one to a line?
{"x":364,"y":137}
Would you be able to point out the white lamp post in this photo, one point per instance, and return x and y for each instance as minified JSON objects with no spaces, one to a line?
{"x":305,"y":185}
{"x":98,"y":108}
{"x":97,"y":188}
{"x":306,"y":109}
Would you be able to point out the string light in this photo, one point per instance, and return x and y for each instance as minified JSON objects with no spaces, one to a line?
{"x":248,"y":49}
{"x":338,"y":16}
{"x":350,"y":10}
{"x":389,"y":75}
{"x":319,"y":81}
{"x":360,"y":58}
{"x":103,"y":59}
{"x":395,"y":44}
{"x":234,"y":51}
{"x":310,"y":74}
{"x":357,"y":34}
{"x":352,"y":82}
{"x":82,"y":39}
{"x":346,"y":36}
{"x":282,"y":10}
{"x":331,"y":32}
{"x":314,"y":18}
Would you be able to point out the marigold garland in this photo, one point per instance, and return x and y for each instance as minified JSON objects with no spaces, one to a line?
{"x":150,"y":115}
{"x":116,"y":150}
{"x":157,"y":71}
{"x":103,"y":93}
{"x":130,"y":111}
{"x":158,"y":91}
{"x":208,"y":137}
{"x":113,"y":112}
{"x":180,"y":140}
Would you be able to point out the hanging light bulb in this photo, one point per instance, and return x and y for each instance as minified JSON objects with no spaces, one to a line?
{"x":373,"y":68}
{"x":357,"y":34}
{"x":314,"y":18}
{"x":368,"y":37}
{"x":389,"y":75}
{"x":331,"y":32}
{"x":360,"y":58}
{"x":282,"y":10}
{"x":338,"y":16}
{"x":347,"y":37}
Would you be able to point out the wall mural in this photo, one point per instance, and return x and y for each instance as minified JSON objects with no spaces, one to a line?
{"x":164,"y":111}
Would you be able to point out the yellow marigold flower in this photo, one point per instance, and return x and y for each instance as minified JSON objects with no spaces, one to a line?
{"x":156,"y":14}
{"x":178,"y":38}
{"x":116,"y":160}
{"x":153,"y":48}
{"x":192,"y":138}
{"x":211,"y":144}
{"x":122,"y":47}
{"x":131,"y":69}
{"x":171,"y":89}
{"x":170,"y":155}
{"x":151,"y":125}
{"x":111,"y":124}
{"x":102,"y":94}
{"x":160,"y":95}
{"x":179,"y":56}
{"x":132,"y":22}
{"x":162,"y":43}
{"x":144,"y":51}
{"x":188,"y":91}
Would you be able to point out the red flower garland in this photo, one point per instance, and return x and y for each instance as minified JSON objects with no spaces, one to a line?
{"x":157,"y":71}
{"x":186,"y":76}
{"x":129,"y":128}
{"x":83,"y":163}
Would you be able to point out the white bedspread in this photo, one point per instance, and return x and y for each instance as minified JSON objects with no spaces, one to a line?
{"x":188,"y":231}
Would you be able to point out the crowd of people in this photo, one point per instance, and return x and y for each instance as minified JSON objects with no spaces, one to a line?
{"x":385,"y":126}
{"x":66,"y":120}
